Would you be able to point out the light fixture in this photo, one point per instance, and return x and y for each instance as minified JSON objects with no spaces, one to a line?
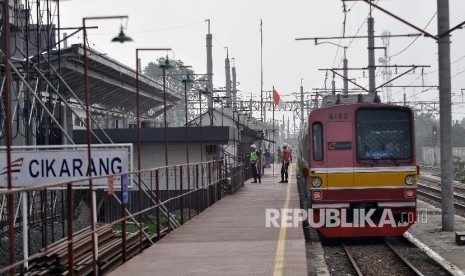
{"x":122,"y":37}
{"x":167,"y":64}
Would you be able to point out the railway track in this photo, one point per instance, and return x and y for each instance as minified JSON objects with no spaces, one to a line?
{"x":430,"y":190}
{"x":381,"y":256}
{"x":391,"y":263}
{"x":459,"y":188}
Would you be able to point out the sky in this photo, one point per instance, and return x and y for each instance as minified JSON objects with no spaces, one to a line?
{"x":287,"y":63}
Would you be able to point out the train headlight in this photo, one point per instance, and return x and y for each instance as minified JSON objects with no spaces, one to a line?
{"x":316,"y":182}
{"x":410,"y":179}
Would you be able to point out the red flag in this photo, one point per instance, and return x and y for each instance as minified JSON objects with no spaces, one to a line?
{"x":277,"y":99}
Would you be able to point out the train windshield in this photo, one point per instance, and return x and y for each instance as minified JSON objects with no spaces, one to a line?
{"x":383,"y":134}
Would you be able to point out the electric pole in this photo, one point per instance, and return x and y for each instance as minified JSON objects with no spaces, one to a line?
{"x":445,"y":116}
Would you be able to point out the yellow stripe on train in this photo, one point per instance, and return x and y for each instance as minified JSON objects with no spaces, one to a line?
{"x":360,"y":180}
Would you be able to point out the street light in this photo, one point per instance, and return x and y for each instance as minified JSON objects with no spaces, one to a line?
{"x":120,"y":38}
{"x":186,"y":81}
{"x":139,"y":130}
{"x":164,"y":66}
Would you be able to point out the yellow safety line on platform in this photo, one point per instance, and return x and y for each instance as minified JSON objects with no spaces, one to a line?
{"x":279,"y":256}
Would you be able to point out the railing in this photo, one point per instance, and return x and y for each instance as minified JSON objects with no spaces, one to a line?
{"x":53,"y":232}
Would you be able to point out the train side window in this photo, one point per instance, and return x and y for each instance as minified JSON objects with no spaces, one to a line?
{"x":317,"y":141}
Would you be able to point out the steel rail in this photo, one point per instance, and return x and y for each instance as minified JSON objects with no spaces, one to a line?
{"x":404,"y":260}
{"x":352,"y":260}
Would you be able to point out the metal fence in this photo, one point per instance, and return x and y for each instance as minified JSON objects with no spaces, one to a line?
{"x":58,"y":228}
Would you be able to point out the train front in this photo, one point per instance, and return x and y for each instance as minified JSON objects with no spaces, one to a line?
{"x":363,"y":175}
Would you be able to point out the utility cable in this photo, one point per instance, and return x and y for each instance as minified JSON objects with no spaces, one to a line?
{"x":415,"y":39}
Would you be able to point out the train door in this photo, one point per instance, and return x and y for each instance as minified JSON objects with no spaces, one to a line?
{"x":339,"y":159}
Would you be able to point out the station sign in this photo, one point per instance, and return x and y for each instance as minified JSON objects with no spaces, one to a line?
{"x":41,"y":166}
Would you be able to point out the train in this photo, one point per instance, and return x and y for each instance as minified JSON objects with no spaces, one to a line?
{"x":357,"y":158}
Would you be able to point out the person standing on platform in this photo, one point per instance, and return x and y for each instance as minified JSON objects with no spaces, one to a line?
{"x":286,"y":159}
{"x":254,"y":158}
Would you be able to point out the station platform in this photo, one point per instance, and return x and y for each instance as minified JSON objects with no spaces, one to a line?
{"x":440,"y":245}
{"x":231,"y":237}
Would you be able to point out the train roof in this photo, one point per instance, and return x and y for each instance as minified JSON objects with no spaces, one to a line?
{"x":337,"y":99}
{"x":351,"y":107}
{"x":347,"y":101}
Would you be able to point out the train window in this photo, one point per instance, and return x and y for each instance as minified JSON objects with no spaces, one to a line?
{"x":383,"y":134}
{"x":317,"y":141}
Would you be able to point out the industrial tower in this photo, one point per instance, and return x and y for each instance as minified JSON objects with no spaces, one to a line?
{"x":386,"y":71}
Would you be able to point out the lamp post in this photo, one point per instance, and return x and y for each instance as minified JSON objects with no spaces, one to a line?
{"x":164,"y":66}
{"x":200,"y":122}
{"x":186,"y":81}
{"x":139,"y":137}
{"x":120,"y":38}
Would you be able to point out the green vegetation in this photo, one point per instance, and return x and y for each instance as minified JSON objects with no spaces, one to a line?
{"x":459,"y":169}
{"x":424,"y":125}
{"x":150,"y":222}
{"x":175,"y":76}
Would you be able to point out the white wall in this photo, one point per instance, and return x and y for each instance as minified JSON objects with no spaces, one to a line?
{"x":153,"y":156}
{"x":432,"y":156}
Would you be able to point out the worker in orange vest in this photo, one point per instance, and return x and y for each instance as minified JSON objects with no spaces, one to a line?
{"x":286,"y":159}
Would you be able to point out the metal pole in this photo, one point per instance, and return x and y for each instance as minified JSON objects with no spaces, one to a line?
{"x":447,"y":190}
{"x":201,"y":127}
{"x":210,"y":70}
{"x":345,"y":73}
{"x":138,"y":125}
{"x":141,"y":248}
{"x":234,"y":87}
{"x":88,"y":139}
{"x":164,"y":118}
{"x":25,"y":227}
{"x":261,"y":72}
{"x":69,"y":222}
{"x":187,"y":150}
{"x":165,"y":130}
{"x":274,"y":148}
{"x":6,"y":88}
{"x":157,"y":191}
{"x":371,"y":55}
{"x":89,"y":150}
{"x":302,"y":122}
{"x":227,"y":69}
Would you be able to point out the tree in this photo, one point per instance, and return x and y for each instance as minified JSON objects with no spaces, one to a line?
{"x":424,"y":125}
{"x":174,"y":77}
{"x":458,"y":132}
{"x":459,"y":169}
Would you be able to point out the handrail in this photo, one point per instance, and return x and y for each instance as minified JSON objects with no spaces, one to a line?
{"x":163,"y":202}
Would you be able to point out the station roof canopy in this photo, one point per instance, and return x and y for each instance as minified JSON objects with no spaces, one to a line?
{"x":112,"y":85}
